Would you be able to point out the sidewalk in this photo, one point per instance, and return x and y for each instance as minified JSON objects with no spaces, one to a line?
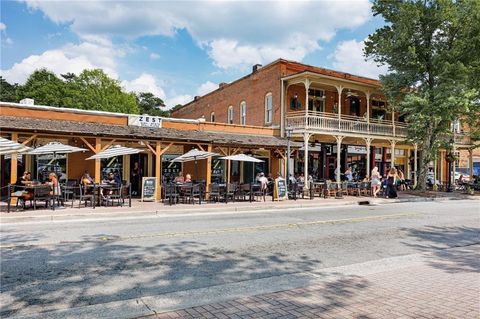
{"x":159,"y":209}
{"x":441,"y":286}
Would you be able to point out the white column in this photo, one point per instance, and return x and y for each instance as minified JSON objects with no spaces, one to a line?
{"x":392,"y":153}
{"x":367,"y":94}
{"x":339,"y":90}
{"x":368,"y":142}
{"x":435,"y":171}
{"x":338,"y":169}
{"x":415,"y":164}
{"x":306,"y":137}
{"x":393,"y":122}
{"x":307,"y":83}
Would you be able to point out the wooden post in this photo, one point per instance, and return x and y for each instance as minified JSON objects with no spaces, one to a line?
{"x":98,"y":148}
{"x":14,"y":162}
{"x":158,"y":169}
{"x":306,"y":137}
{"x":208,"y":179}
{"x":415,"y":164}
{"x":368,"y":142}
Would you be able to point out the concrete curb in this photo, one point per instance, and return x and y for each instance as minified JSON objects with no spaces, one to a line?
{"x":213,"y":210}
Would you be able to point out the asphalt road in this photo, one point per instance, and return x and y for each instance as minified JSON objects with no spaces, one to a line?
{"x":48,"y":266}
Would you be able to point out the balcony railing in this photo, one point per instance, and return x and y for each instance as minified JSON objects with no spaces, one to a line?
{"x":462,"y":139}
{"x":350,"y":124}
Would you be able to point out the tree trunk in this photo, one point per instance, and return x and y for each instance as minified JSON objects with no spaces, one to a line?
{"x":425,"y":158}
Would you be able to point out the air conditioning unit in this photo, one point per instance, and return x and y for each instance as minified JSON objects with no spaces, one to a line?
{"x":27,"y":101}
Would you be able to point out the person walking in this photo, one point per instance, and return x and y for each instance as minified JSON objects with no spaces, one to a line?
{"x":375,"y":181}
{"x":392,"y":183}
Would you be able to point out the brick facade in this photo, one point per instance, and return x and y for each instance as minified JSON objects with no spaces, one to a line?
{"x":253,"y":89}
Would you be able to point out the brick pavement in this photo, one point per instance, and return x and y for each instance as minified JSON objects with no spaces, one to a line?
{"x":441,"y":286}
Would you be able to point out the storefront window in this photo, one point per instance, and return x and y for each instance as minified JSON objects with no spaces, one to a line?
{"x":170,"y":169}
{"x":114,"y":165}
{"x":45,"y":164}
{"x":218,"y":170}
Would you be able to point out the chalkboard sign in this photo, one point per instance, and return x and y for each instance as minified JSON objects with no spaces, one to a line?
{"x":280,"y":189}
{"x":149,"y":185}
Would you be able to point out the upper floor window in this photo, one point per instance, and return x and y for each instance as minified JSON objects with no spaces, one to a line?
{"x":316,"y":100}
{"x":230,"y":115}
{"x":268,"y":108}
{"x":377,"y":103}
{"x":456,"y":127}
{"x":212,"y":117}
{"x":243,"y":113}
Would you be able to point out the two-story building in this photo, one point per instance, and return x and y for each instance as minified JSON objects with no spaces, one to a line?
{"x":343,"y":120}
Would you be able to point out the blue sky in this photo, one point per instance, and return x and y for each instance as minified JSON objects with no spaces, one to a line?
{"x":179,"y":49}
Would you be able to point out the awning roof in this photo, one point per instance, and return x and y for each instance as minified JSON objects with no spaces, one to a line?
{"x":97,"y":129}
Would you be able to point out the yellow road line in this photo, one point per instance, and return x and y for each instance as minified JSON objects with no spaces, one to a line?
{"x":221,"y":230}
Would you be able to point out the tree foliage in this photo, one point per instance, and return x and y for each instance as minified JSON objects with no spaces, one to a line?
{"x":90,"y":90}
{"x":148,"y":103}
{"x":431,"y":48}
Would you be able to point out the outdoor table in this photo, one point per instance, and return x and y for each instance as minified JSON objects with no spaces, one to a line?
{"x":36,"y":190}
{"x":320,"y":188}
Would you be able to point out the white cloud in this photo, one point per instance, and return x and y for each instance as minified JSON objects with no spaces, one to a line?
{"x":206,"y":87}
{"x":177,"y":99}
{"x":154,"y":56}
{"x":145,"y":83}
{"x":69,"y":58}
{"x":2,"y":26}
{"x":234,"y":33}
{"x":348,"y":57}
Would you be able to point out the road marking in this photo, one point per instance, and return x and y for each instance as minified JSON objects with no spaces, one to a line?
{"x":218,"y":231}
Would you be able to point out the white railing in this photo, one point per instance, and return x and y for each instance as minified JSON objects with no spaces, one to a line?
{"x":351,"y":124}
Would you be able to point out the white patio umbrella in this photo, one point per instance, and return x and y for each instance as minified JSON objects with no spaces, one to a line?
{"x":243,"y":158}
{"x":56,"y":148}
{"x":9,"y":147}
{"x":194,"y":155}
{"x":116,"y":150}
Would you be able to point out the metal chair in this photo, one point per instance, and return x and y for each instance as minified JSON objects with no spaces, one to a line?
{"x":213,"y":192}
{"x":171,"y":194}
{"x":87,"y":194}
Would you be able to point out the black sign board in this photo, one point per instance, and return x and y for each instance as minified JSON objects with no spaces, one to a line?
{"x":149,"y":185}
{"x":280,"y":189}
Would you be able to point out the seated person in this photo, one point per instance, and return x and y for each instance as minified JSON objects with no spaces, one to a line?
{"x":54,"y":184}
{"x":188,"y":178}
{"x":109,"y":180}
{"x":86,"y":179}
{"x":23,"y":181}
{"x":179,"y":179}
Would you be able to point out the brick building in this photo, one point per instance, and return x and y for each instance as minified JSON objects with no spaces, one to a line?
{"x":327,"y":111}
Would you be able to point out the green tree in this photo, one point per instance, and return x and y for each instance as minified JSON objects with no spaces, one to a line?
{"x":44,"y":87}
{"x":8,"y":92}
{"x":149,"y":104}
{"x":100,"y":92}
{"x":431,"y":48}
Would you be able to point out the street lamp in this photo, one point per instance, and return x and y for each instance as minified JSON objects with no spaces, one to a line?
{"x":288,"y":133}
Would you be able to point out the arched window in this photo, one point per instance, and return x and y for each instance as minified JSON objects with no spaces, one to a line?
{"x":268,"y":108}
{"x":230,"y":115}
{"x":212,"y":117}
{"x":243,"y":113}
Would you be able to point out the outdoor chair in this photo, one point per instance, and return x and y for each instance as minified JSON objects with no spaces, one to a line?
{"x":86,"y":195}
{"x":185,"y":192}
{"x":259,"y":192}
{"x":41,"y":194}
{"x":243,"y":191}
{"x":354,"y":189}
{"x":126,"y":193}
{"x":171,"y":194}
{"x":344,"y":188}
{"x":70,"y":191}
{"x":293,"y":191}
{"x":365,"y":188}
{"x":230,"y":192}
{"x":114,"y":197}
{"x":331,"y":189}
{"x":213,"y":192}
{"x":19,"y":198}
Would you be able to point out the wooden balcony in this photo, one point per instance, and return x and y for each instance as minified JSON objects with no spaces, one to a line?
{"x":328,"y":122}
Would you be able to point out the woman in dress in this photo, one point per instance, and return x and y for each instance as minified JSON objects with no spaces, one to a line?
{"x":375,"y":184}
{"x":392,"y":183}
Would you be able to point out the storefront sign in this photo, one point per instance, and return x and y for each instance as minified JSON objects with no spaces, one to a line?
{"x":149,"y":185}
{"x":280,"y":189}
{"x":352,"y":149}
{"x":145,"y":121}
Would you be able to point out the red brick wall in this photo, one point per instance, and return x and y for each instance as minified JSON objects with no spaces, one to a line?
{"x":251,"y":89}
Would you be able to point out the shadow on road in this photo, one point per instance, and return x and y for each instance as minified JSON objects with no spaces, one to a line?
{"x":102,"y":268}
{"x":437,"y":240}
